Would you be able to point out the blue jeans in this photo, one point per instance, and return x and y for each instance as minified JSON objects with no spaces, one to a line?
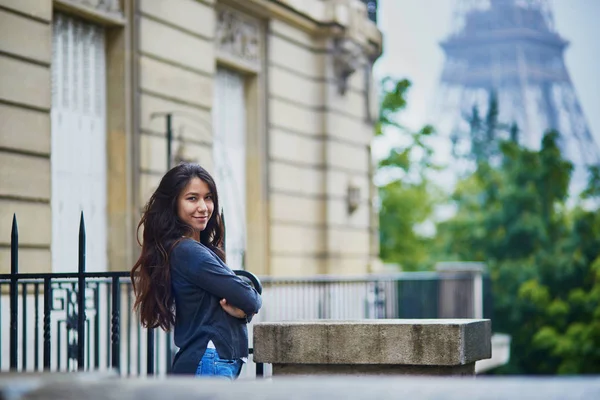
{"x":212,"y":365}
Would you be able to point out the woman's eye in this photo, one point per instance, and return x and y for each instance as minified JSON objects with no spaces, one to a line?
{"x":208,"y":197}
{"x":192,"y":198}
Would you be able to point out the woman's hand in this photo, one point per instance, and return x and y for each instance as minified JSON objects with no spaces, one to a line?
{"x":232,"y":310}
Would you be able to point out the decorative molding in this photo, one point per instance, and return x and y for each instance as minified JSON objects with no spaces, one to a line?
{"x":108,"y":6}
{"x":104,"y":12}
{"x":318,"y":17}
{"x":352,"y":49}
{"x":348,"y":57}
{"x":238,"y":39}
{"x":104,"y":5}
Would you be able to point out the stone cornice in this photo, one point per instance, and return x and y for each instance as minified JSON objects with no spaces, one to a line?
{"x":356,"y":40}
{"x":335,"y":18}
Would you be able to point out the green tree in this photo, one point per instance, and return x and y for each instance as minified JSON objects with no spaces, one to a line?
{"x":570,"y":312}
{"x":543,"y":256}
{"x":408,"y":196}
{"x":512,"y":213}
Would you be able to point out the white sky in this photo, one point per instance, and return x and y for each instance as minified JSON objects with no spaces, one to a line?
{"x":413,"y":29}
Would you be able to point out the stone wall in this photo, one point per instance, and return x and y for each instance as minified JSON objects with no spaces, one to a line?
{"x":25,"y":130}
{"x":319,"y":147}
{"x":25,"y":56}
{"x":315,"y":139}
{"x":309,"y":130}
{"x":176,"y":61}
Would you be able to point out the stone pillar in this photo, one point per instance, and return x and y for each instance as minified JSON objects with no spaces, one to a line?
{"x":461,"y":289}
{"x":373,"y":347}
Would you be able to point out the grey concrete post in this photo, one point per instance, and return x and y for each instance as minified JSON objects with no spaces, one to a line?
{"x":373,"y":347}
{"x":455,"y":302}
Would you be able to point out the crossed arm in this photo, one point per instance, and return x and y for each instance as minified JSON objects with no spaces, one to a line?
{"x":238,"y":298}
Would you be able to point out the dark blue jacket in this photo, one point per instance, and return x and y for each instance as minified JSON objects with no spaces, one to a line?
{"x":199,"y":281}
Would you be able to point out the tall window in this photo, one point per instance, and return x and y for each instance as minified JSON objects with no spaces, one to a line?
{"x":229,"y":153}
{"x":78,"y":145}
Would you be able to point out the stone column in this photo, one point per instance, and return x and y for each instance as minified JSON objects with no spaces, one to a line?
{"x":461,"y":289}
{"x":373,"y":347}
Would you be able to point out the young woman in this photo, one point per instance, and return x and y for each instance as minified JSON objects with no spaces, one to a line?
{"x":181,"y":280}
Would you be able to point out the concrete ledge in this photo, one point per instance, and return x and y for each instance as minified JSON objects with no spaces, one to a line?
{"x":16,"y":385}
{"x":393,"y":344}
{"x":312,"y":388}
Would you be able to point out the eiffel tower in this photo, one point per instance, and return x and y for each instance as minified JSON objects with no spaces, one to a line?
{"x":512,"y":48}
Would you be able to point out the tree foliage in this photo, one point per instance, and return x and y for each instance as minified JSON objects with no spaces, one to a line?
{"x":543,"y":256}
{"x":513,"y":212}
{"x":408,"y":195}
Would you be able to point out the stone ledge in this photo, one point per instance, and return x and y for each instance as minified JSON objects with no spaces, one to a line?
{"x":311,"y":388}
{"x":422,"y":342}
{"x":15,"y":385}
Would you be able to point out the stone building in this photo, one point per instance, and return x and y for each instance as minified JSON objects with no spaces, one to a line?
{"x":274,"y":97}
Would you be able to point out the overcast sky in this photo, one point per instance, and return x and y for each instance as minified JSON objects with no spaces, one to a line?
{"x":413,"y":29}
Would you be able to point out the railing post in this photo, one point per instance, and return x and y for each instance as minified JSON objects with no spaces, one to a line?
{"x":150,"y":352}
{"x":97,"y":327}
{"x":168,"y":350}
{"x":81,"y":298}
{"x":115,"y":339}
{"x":14,"y":270}
{"x":24,"y":343}
{"x":478,"y":294}
{"x":47,"y":310}
{"x":36,"y":328}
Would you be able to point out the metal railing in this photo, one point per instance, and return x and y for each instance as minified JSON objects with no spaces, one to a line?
{"x":411,"y":295}
{"x":56,"y":326}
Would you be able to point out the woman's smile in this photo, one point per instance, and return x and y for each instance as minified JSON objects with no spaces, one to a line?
{"x":196,"y":204}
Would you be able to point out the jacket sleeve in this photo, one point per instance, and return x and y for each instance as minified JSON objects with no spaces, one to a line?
{"x":209,"y":274}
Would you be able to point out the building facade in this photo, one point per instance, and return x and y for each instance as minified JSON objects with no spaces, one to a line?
{"x":274,"y":97}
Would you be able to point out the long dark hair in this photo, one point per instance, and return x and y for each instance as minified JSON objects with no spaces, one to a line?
{"x":163,"y":229}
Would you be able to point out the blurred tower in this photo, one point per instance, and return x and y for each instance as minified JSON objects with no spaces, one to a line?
{"x":511,"y":47}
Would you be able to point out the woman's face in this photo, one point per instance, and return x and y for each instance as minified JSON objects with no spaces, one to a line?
{"x":195,"y":204}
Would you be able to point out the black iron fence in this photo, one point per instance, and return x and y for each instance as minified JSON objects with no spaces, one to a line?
{"x":54,"y":325}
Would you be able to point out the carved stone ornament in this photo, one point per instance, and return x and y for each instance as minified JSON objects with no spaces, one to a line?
{"x":238,"y":37}
{"x":348,"y":57}
{"x":351,"y":51}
